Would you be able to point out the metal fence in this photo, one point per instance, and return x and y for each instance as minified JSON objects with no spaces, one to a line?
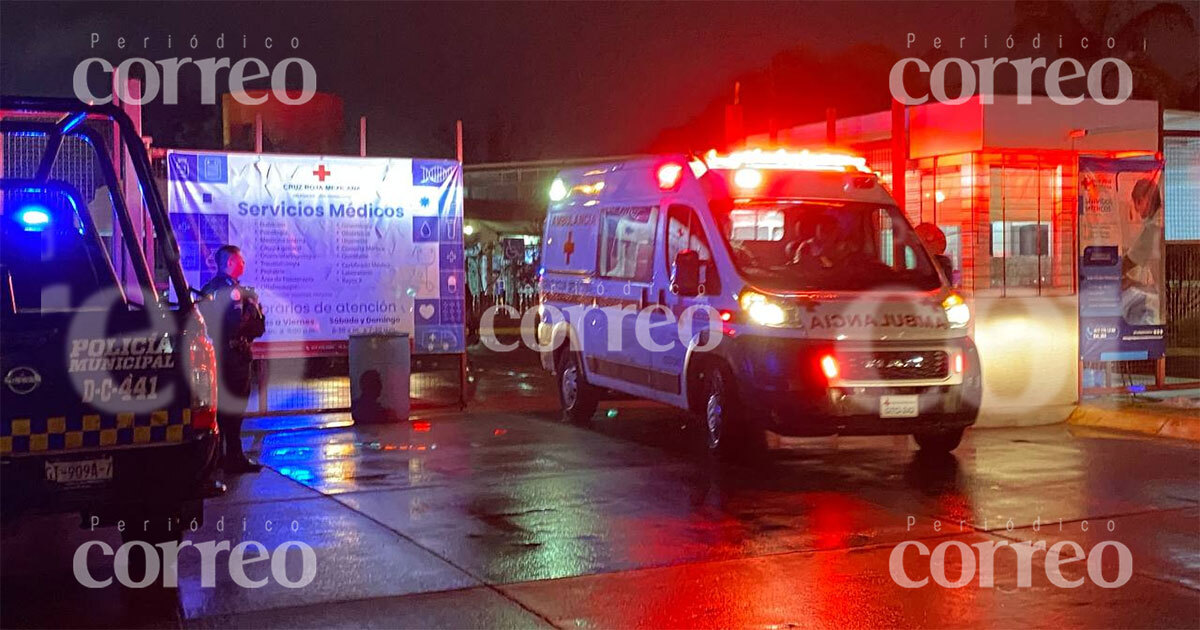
{"x":1183,"y":294}
{"x":1181,"y":305}
{"x":322,"y":385}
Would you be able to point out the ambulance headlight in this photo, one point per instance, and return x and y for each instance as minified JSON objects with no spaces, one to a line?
{"x":958,"y":314}
{"x":558,"y":190}
{"x":762,"y":310}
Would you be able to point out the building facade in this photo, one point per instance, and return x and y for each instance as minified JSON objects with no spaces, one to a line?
{"x":1001,"y":180}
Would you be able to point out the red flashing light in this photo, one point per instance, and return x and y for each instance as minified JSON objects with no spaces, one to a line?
{"x":829,"y":366}
{"x":669,"y":175}
{"x":420,"y":426}
{"x":726,"y":315}
{"x":783,"y":159}
{"x":203,"y":364}
{"x":205,"y":419}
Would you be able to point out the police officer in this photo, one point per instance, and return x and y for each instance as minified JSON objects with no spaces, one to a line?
{"x":234,"y":320}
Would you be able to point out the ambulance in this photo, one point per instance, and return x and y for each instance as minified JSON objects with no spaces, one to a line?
{"x":762,"y":290}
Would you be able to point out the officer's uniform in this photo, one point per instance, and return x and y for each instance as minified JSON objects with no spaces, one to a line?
{"x":224,"y":318}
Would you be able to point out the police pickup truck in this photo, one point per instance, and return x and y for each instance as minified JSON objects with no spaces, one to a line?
{"x":108,"y":393}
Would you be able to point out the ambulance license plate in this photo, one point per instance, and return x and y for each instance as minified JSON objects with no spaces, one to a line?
{"x":899,"y":407}
{"x":80,"y":470}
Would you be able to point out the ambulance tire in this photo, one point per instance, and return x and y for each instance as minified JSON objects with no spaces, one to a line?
{"x":730,"y":433}
{"x":941,"y":442}
{"x":579,"y":399}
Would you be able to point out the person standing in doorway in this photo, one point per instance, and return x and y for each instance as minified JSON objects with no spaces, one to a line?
{"x":235,"y":319}
{"x":499,"y":291}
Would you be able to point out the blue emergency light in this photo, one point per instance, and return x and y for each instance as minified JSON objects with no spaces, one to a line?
{"x":33,"y":217}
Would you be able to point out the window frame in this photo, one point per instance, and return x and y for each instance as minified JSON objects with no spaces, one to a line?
{"x":602,"y":240}
{"x":711,"y":278}
{"x":693,"y":221}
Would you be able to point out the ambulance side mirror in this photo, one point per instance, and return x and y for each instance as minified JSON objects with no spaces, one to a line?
{"x":685,"y":273}
{"x":947,"y":266}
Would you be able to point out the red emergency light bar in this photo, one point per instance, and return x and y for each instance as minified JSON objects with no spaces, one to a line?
{"x":803,"y":160}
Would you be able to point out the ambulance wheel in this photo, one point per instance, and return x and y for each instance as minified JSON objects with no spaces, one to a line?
{"x":579,"y":399}
{"x":940,"y":442}
{"x":729,"y":432}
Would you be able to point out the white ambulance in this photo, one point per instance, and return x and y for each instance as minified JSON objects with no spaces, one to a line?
{"x":776,"y":291}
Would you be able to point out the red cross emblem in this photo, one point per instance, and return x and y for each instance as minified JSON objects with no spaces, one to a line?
{"x":321,"y":173}
{"x":569,"y":246}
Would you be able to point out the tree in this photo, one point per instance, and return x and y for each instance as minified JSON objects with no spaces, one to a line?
{"x":1140,"y":32}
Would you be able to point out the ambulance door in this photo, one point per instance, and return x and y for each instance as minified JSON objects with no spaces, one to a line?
{"x":684,"y":231}
{"x":569,"y":260}
{"x":627,"y":235}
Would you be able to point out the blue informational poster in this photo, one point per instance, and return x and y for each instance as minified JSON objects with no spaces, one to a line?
{"x":1121,"y":259}
{"x":333,"y":245}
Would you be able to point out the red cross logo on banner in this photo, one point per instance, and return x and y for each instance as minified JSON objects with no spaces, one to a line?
{"x":321,"y":173}
{"x":569,"y":246}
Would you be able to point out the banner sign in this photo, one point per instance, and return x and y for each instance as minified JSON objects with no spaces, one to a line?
{"x":333,"y":245}
{"x":1121,"y":275}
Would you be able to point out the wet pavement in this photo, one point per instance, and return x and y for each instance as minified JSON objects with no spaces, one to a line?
{"x":503,"y":517}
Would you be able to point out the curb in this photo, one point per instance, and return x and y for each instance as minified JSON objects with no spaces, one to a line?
{"x":1180,"y":424}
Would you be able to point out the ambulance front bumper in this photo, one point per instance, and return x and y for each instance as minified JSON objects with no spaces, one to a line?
{"x":781,"y":385}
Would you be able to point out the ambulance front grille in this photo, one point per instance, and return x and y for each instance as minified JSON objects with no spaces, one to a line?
{"x":894,"y":365}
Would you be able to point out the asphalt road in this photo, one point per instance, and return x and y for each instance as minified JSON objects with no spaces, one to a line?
{"x":503,"y":517}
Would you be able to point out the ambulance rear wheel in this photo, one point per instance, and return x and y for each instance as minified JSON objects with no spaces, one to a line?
{"x":579,"y":398}
{"x":941,"y":442}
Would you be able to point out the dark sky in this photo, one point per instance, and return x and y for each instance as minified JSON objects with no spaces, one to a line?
{"x":561,"y":79}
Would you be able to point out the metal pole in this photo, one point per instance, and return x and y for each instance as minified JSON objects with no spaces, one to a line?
{"x":134,"y":201}
{"x":734,"y":120}
{"x":258,"y":133}
{"x":362,"y":136}
{"x":899,"y":152}
{"x":118,"y":257}
{"x":458,"y":140}
{"x":462,"y":359}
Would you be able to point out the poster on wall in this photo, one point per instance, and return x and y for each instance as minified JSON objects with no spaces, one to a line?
{"x":1121,"y":302}
{"x":333,"y":245}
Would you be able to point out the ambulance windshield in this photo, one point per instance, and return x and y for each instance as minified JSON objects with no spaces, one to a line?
{"x":827,"y":245}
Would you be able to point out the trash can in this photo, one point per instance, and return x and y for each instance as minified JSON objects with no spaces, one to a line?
{"x":379,"y":371}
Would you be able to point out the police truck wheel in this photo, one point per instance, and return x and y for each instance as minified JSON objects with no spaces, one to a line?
{"x":579,"y":399}
{"x":729,"y":432}
{"x":941,"y":442}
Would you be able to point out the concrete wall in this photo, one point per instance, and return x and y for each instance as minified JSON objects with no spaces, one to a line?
{"x":1029,"y":348}
{"x":1043,"y":124}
